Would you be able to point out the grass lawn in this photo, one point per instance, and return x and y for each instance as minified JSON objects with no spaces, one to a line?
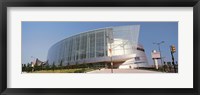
{"x":80,"y":70}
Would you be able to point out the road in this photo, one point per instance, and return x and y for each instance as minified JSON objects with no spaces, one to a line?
{"x":123,"y":71}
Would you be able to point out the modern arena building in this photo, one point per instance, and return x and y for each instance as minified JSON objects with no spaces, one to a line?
{"x":101,"y":47}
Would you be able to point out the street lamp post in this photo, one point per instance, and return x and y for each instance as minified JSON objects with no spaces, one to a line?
{"x":111,"y":58}
{"x":160,"y":50}
{"x":109,"y":36}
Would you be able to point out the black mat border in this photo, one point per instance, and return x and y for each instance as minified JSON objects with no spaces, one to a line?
{"x":98,"y":3}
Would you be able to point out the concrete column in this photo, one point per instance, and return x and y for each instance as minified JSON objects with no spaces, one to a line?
{"x":155,"y":60}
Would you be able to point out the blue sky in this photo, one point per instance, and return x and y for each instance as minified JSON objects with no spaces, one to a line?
{"x":38,"y":37}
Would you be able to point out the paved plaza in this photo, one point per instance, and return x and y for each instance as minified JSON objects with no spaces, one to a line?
{"x":124,"y":71}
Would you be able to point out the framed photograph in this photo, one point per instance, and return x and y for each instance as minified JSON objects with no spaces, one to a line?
{"x":90,"y":47}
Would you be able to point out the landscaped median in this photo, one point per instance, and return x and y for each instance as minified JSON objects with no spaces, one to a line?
{"x":79,"y":70}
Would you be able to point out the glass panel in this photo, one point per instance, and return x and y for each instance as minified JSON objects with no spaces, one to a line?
{"x":92,"y":44}
{"x":100,"y":43}
{"x":125,"y":37}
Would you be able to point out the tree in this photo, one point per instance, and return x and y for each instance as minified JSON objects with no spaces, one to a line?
{"x":68,"y":65}
{"x":36,"y":66}
{"x":42,"y":65}
{"x":24,"y":67}
{"x":53,"y":66}
{"x":61,"y":64}
{"x":47,"y":66}
{"x":28,"y":68}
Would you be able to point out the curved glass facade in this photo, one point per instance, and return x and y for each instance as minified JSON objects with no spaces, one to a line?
{"x":95,"y":45}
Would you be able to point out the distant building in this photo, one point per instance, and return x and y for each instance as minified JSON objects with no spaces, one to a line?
{"x":37,"y":62}
{"x":97,"y":46}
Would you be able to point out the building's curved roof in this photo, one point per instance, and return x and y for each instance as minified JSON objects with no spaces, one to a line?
{"x":77,"y":35}
{"x":83,"y":33}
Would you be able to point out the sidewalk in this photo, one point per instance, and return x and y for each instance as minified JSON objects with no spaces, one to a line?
{"x":123,"y":71}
